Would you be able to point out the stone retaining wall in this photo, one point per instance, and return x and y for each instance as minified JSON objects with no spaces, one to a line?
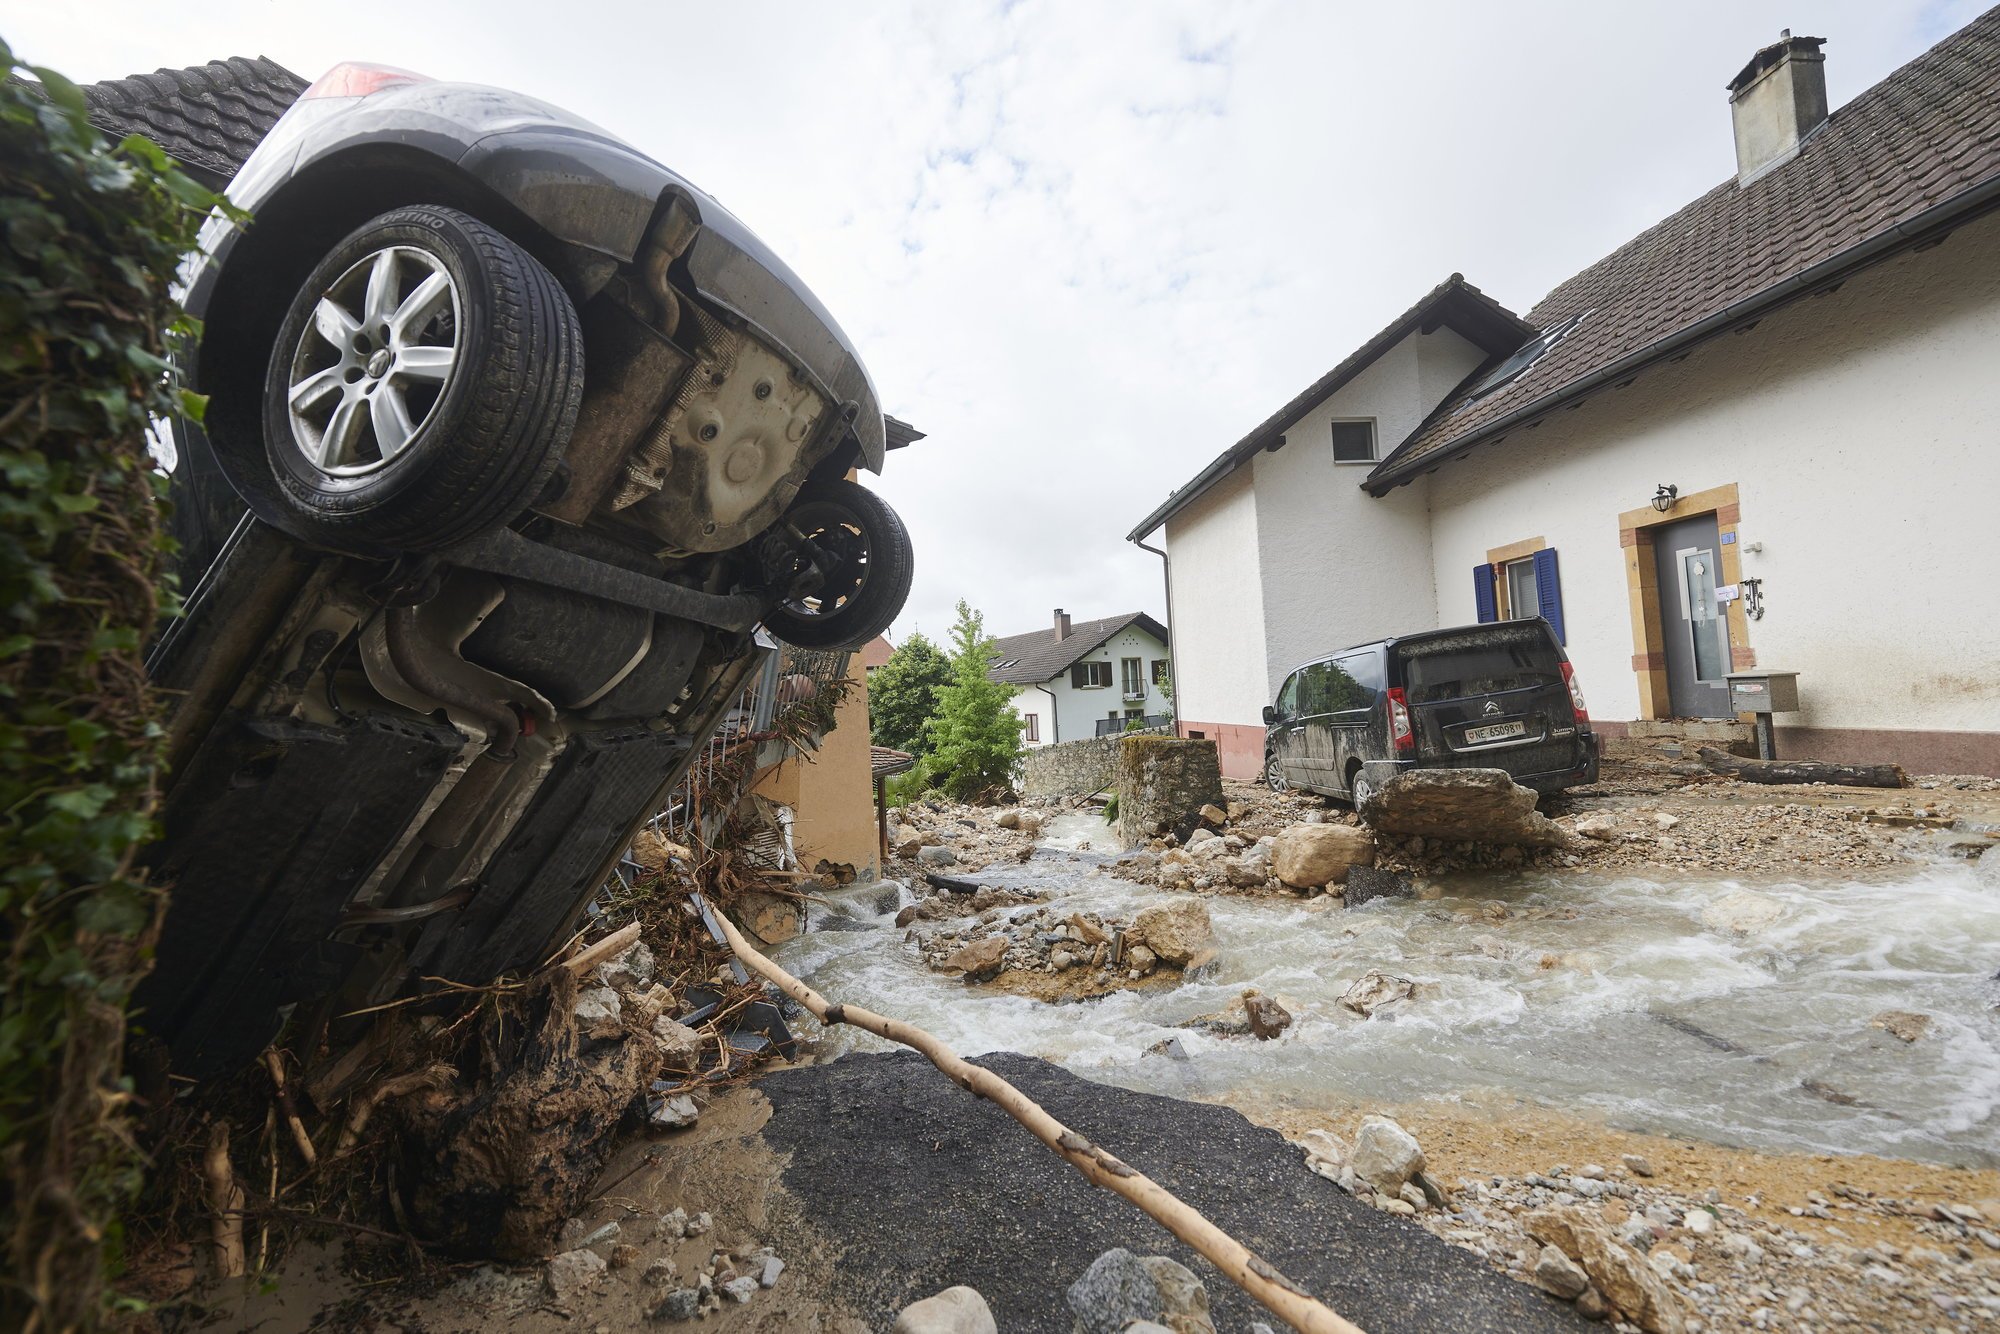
{"x":1073,"y":768}
{"x":1163,"y":782}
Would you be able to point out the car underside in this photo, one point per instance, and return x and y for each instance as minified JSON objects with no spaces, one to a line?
{"x":483,"y":532}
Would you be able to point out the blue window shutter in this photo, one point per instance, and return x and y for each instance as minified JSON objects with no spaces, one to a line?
{"x":1549,"y":593}
{"x":1482,"y":593}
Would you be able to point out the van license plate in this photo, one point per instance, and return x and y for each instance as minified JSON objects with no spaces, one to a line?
{"x":1498,"y":732}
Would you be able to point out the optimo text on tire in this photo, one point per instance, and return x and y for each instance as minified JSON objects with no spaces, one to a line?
{"x":869,"y":581}
{"x":422,"y":387}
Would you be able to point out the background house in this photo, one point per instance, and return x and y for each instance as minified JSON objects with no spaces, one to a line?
{"x":1084,"y":679}
{"x":1759,"y":434}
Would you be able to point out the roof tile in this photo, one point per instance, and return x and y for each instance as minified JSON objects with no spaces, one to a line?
{"x":1927,"y":133}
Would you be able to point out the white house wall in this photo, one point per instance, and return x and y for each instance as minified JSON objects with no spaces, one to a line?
{"x":1862,"y":430}
{"x":1339,"y":567}
{"x":1218,"y":610}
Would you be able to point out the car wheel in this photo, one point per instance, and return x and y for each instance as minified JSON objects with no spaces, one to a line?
{"x":867,"y":578}
{"x":1274,"y":775}
{"x":1360,"y":789}
{"x":423,"y":385}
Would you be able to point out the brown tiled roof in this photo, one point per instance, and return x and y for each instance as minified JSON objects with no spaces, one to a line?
{"x":207,"y":117}
{"x":1453,"y":302}
{"x":1865,"y":183}
{"x":1039,"y":656}
{"x":886,"y":763}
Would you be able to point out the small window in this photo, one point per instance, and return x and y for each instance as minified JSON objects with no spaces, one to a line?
{"x":1135,"y":715}
{"x":1031,"y":727}
{"x":1090,"y":675}
{"x":1288,"y":698}
{"x":1160,"y":672}
{"x":1132,"y":672}
{"x":1354,"y":441}
{"x":1523,"y":597}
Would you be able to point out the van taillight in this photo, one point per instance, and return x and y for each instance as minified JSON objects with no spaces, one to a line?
{"x":1399,"y":720}
{"x":1575,"y":695}
{"x":355,"y":79}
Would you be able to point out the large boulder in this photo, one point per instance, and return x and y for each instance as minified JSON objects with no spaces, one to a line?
{"x":1307,"y":856}
{"x":1741,"y":912}
{"x":1464,"y":805}
{"x":959,"y":1310}
{"x":1385,"y":1155}
{"x":1621,"y":1274}
{"x":1177,"y":930}
{"x":979,"y":960}
{"x":1122,"y":1292}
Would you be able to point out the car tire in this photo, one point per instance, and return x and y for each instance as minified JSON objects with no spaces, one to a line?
{"x":422,"y":386}
{"x":1360,"y":790}
{"x":865,"y":592}
{"x":1274,"y":775}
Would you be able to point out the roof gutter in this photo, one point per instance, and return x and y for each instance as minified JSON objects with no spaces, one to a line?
{"x":1939,"y":218}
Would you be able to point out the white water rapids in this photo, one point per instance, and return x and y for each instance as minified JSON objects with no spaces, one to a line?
{"x":1646,"y":1018}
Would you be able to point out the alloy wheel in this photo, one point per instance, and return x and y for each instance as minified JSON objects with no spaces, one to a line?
{"x":374,"y":361}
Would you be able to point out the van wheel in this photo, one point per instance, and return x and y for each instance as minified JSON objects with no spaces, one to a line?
{"x":1274,"y":775}
{"x":1360,"y":790}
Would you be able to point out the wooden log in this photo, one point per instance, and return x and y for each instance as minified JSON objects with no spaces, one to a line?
{"x":276,"y":1065}
{"x":951,"y":884}
{"x":225,"y":1203}
{"x":1803,"y":771}
{"x":1242,"y":1266}
{"x":613,"y":945}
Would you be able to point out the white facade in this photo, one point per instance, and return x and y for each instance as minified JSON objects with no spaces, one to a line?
{"x":1218,"y":604}
{"x":1287,"y":558}
{"x":1858,"y":433}
{"x":1063,"y":712}
{"x":1862,"y":432}
{"x":1338,"y":567}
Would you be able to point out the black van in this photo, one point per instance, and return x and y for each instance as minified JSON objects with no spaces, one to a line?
{"x":1495,"y":696}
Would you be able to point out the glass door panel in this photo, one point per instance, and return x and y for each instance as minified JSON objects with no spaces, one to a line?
{"x":1704,"y":615}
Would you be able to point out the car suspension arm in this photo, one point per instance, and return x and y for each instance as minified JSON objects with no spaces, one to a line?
{"x":506,"y":552}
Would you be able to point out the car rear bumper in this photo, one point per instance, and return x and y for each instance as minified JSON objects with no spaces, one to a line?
{"x":1576,"y":767}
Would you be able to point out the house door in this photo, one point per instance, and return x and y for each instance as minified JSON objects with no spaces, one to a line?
{"x":1694,"y":626}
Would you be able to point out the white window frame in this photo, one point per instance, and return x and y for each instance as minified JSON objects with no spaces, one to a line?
{"x":1515,"y":613}
{"x":1374,"y":443}
{"x":1091,"y":669}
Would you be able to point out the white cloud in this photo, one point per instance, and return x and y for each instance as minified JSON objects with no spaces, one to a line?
{"x":1088,"y":245}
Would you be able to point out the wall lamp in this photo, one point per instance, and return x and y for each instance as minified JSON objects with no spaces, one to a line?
{"x":1663,"y":499}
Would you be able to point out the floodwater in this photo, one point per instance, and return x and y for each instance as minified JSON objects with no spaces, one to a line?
{"x":1605,"y":996}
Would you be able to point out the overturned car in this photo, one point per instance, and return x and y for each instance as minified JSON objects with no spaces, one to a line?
{"x":514,"y":441}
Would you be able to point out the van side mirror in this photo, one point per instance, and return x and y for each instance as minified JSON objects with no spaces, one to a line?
{"x":1270,"y":715}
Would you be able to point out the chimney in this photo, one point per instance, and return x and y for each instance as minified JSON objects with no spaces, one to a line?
{"x":1062,"y":625}
{"x":1777,"y":100}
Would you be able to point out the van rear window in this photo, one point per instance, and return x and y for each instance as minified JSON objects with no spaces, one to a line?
{"x":1482,"y":663}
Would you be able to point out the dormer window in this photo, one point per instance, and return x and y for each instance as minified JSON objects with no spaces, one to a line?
{"x":1524,"y":360}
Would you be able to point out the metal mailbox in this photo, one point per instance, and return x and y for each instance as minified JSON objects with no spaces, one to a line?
{"x":1763,"y":692}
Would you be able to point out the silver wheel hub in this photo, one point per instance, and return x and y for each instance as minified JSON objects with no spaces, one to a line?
{"x":373,"y":361}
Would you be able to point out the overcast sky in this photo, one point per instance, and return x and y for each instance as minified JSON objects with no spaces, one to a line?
{"x":1087,"y":246}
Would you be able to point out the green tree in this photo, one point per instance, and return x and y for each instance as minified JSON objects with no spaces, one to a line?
{"x":902,"y":695}
{"x":975,"y":739}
